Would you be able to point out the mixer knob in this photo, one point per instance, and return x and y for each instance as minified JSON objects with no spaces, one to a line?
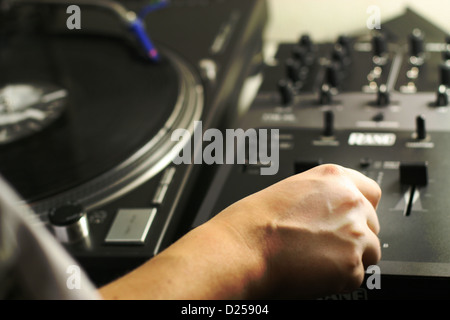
{"x":306,"y":42}
{"x":339,"y":55}
{"x":303,"y":55}
{"x":444,"y":70}
{"x":345,"y":43}
{"x":293,"y":70}
{"x":332,"y":75}
{"x":286,"y":92}
{"x":328,"y":123}
{"x":421,"y":132}
{"x":383,"y":98}
{"x":446,"y":53}
{"x":416,"y":43}
{"x":69,"y":223}
{"x":299,"y":53}
{"x":442,"y":96}
{"x":325,"y":95}
{"x":379,"y":44}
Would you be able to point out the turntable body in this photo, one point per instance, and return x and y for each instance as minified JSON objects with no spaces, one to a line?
{"x":86,"y":120}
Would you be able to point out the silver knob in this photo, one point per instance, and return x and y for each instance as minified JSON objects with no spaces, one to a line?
{"x":69,"y":223}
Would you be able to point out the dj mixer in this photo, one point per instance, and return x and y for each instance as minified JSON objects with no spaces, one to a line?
{"x":376,"y":102}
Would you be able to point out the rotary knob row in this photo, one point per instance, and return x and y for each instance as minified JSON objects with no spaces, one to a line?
{"x":297,"y":69}
{"x":417,"y":52}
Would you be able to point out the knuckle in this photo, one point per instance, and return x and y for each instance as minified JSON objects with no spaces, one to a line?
{"x":330,"y":170}
{"x":351,"y":199}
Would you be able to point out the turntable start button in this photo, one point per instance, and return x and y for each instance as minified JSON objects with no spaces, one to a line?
{"x":131,"y":226}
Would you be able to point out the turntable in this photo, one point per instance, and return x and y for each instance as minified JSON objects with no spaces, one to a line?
{"x":86,"y":115}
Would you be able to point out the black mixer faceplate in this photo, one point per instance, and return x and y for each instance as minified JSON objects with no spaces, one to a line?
{"x":116,"y":103}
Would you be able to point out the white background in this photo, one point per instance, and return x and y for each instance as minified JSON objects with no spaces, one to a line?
{"x":324,"y":20}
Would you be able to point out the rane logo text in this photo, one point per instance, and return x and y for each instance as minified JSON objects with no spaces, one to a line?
{"x":371,"y":139}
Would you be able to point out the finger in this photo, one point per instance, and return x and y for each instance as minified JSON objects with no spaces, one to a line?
{"x":372,"y":249}
{"x":368,"y":187}
{"x":372,"y":219}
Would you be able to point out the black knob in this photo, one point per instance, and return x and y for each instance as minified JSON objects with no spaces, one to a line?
{"x":345,"y":42}
{"x":446,"y":53}
{"x":303,"y":55}
{"x":328,"y":123}
{"x":383,"y":97}
{"x":421,"y":132}
{"x":286,"y":92}
{"x":379,"y":44}
{"x":416,"y":43}
{"x":378,"y":117}
{"x":69,"y":222}
{"x":332,"y":75}
{"x":444,"y":70}
{"x":325,"y":95}
{"x":306,"y":42}
{"x":293,"y":70}
{"x":414,"y":173}
{"x":339,"y":56}
{"x":442,"y":96}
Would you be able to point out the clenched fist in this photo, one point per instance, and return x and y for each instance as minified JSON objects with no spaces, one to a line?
{"x":309,"y":235}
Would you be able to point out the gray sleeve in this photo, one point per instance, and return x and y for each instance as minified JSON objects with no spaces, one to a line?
{"x":33,"y":265}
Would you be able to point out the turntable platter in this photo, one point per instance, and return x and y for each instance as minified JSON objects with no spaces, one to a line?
{"x":115,"y":127}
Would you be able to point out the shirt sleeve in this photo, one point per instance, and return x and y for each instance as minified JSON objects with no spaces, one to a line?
{"x":33,"y":265}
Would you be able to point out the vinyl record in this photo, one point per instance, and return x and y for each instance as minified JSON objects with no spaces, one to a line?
{"x":109,"y":112}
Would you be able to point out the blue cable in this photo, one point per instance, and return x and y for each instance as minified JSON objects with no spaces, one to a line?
{"x":137,"y":27}
{"x":152,"y":7}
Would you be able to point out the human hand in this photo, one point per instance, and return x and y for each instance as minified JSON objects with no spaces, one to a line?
{"x":315,"y":233}
{"x":307,"y":236}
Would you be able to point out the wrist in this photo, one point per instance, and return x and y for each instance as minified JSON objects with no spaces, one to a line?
{"x":247,"y":238}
